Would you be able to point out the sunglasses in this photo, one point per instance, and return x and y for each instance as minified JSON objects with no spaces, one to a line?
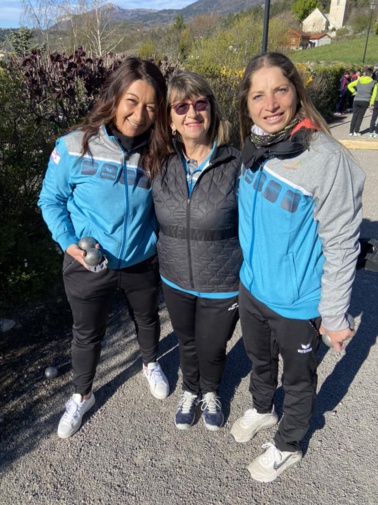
{"x":182,"y":108}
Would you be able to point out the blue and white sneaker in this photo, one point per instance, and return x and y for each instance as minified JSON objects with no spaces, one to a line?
{"x":186,"y":410}
{"x":212,"y":411}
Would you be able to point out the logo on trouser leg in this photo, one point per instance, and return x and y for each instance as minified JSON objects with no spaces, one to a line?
{"x":233,"y":306}
{"x":305,"y":348}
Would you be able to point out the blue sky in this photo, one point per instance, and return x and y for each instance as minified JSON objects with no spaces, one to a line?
{"x":10,"y":10}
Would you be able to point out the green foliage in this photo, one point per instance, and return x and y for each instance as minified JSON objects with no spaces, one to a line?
{"x":21,"y":40}
{"x":302,"y":8}
{"x":40,"y":97}
{"x":359,"y":21}
{"x":28,"y":261}
{"x":323,"y":88}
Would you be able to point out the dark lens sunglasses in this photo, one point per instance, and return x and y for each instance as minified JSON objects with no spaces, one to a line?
{"x":183,"y":107}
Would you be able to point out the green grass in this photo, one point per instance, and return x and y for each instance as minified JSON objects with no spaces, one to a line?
{"x":349,"y":52}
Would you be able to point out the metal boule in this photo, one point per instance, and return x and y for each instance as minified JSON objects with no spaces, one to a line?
{"x":93,"y":257}
{"x":87,"y":243}
{"x":51,"y":372}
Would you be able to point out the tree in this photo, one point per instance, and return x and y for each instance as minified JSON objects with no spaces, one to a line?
{"x":302,"y":8}
{"x":21,"y":40}
{"x":179,"y":40}
{"x":40,"y":14}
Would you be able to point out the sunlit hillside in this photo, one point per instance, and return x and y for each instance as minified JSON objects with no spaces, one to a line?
{"x":349,"y":52}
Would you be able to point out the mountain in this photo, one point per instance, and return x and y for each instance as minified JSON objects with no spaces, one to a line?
{"x":116,"y":14}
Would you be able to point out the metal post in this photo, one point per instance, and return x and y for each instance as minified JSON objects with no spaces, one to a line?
{"x":373,"y":5}
{"x":264,"y":46}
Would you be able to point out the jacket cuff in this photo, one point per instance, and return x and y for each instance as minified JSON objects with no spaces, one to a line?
{"x":66,"y":240}
{"x":335,"y":323}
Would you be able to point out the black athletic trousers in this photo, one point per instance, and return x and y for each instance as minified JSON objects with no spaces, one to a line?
{"x":90,"y":296}
{"x":203,"y":327}
{"x":373,"y":127}
{"x":359,"y":109}
{"x":266,"y":334}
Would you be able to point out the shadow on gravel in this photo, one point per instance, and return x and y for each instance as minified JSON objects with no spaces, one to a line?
{"x":31,"y":406}
{"x":363,"y":305}
{"x":237,"y":367}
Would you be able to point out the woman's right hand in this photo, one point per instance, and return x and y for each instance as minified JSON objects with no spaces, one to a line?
{"x":77,"y":253}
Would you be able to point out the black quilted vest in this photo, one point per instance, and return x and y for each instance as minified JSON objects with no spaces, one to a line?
{"x":198,"y":244}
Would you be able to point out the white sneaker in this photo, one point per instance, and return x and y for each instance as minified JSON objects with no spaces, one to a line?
{"x":158,"y":382}
{"x":70,"y":422}
{"x":246,"y":427}
{"x":270,"y":464}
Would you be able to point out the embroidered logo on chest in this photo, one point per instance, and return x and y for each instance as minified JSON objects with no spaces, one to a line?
{"x":294,"y":165}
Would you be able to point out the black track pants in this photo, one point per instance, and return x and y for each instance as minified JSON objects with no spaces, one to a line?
{"x":203,"y":327}
{"x":90,"y":296}
{"x":266,"y":335}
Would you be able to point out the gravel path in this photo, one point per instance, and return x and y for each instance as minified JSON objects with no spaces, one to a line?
{"x":128,"y":450}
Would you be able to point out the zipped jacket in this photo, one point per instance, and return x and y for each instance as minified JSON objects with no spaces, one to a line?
{"x":105,"y":196}
{"x":299,"y":227}
{"x":362,"y":88}
{"x":198,"y":244}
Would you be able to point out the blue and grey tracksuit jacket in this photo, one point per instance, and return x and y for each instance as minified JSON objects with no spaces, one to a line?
{"x":104,"y":196}
{"x":299,"y":222}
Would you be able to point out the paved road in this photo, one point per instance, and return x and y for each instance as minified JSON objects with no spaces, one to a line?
{"x":129,"y":451}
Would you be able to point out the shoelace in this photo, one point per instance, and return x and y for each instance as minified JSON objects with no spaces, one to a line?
{"x":72,"y":410}
{"x":212,"y":404}
{"x":187,"y":401}
{"x":271,"y":456}
{"x":246,"y":419}
{"x":155,"y":374}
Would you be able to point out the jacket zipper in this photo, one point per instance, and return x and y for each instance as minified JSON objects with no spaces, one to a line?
{"x":188,"y":227}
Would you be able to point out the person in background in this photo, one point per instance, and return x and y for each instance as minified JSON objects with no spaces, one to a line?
{"x":373,"y":128}
{"x":300,"y":209}
{"x":97,"y":184}
{"x":195,"y":202}
{"x":362,"y":90}
{"x":343,"y":93}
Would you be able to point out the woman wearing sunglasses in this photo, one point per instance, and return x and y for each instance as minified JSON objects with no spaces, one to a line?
{"x":195,"y":203}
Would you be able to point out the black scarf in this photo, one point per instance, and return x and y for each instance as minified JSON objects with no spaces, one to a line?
{"x":281,"y":145}
{"x":128,"y":143}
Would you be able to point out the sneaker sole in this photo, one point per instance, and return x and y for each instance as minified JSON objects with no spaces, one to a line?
{"x":72,"y":432}
{"x":270,"y":478}
{"x":213,"y":427}
{"x":248,"y":436}
{"x":160,"y":396}
{"x":183,"y":426}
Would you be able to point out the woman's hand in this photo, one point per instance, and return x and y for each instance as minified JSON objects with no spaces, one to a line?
{"x":338,"y":338}
{"x":77,"y":253}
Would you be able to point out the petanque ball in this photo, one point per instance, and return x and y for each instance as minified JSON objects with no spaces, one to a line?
{"x":93,"y":257}
{"x":51,"y":372}
{"x":87,"y":243}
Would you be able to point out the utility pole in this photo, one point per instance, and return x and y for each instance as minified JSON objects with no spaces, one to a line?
{"x":264,"y":46}
{"x":373,"y":5}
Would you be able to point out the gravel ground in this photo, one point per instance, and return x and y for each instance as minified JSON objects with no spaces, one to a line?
{"x":128,"y":450}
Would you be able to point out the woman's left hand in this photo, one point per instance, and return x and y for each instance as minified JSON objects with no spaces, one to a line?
{"x":338,"y":338}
